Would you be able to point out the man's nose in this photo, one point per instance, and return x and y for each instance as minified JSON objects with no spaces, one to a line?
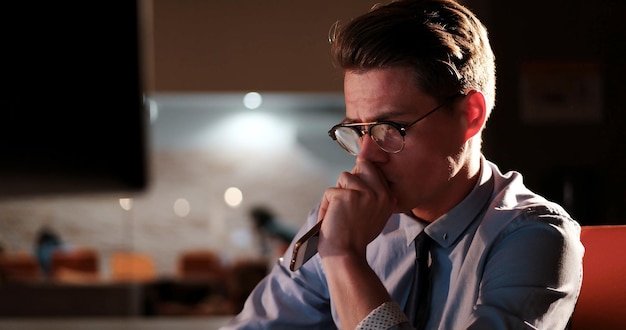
{"x":370,"y":150}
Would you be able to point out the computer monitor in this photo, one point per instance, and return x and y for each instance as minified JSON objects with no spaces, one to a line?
{"x":72,"y":116}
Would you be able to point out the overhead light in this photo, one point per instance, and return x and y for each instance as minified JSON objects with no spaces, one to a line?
{"x":252,"y":100}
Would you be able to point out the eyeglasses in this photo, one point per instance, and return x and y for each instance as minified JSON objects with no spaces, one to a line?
{"x":388,"y":135}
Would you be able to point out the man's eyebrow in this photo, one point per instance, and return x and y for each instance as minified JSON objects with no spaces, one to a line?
{"x":389,"y":116}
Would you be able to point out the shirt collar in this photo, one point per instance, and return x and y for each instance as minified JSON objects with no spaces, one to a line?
{"x":448,"y":228}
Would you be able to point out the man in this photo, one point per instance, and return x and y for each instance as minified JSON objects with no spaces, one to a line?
{"x":419,"y":85}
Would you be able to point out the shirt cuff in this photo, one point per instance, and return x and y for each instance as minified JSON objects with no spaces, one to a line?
{"x":383,"y":317}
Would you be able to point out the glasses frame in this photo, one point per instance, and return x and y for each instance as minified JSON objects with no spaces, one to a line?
{"x":401,"y":128}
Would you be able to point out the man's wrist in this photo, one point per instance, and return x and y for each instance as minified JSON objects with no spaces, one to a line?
{"x":386,"y":316}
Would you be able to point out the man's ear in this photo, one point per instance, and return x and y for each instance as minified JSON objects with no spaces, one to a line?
{"x":475,"y":113}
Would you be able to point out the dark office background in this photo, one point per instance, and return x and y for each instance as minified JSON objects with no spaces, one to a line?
{"x":575,"y":156}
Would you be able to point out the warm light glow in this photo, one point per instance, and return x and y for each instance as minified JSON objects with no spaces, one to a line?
{"x":233,"y":196}
{"x":256,"y":131}
{"x":252,"y":100}
{"x":181,"y":207}
{"x":126,"y":203}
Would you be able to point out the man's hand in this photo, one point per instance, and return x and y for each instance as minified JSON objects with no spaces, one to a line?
{"x":355,"y":211}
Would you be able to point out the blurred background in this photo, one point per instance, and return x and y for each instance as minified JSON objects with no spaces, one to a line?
{"x":185,"y":115}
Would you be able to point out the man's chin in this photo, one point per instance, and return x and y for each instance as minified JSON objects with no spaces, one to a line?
{"x":397,"y":207}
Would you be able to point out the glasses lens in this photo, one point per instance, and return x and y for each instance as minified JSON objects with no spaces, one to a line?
{"x":387,"y":137}
{"x":349,"y":139}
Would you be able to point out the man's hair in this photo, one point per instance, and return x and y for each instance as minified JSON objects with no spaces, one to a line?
{"x":441,"y":40}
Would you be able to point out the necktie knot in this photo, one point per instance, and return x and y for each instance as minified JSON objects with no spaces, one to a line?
{"x":422,"y":246}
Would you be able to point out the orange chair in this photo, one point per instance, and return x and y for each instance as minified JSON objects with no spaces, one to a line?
{"x":602,"y":300}
{"x":20,"y":266}
{"x":132,"y":267}
{"x":76,"y":264}
{"x":201,"y":265}
{"x":200,"y":288}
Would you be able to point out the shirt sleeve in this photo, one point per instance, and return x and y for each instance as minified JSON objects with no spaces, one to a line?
{"x":532,"y":277}
{"x":387,"y":316}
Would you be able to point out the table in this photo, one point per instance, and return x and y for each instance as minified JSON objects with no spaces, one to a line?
{"x":138,"y":323}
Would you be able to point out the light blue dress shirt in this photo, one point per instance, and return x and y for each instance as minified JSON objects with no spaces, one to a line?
{"x":504,"y":258}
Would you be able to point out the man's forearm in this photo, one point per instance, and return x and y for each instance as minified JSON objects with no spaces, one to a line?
{"x":355,"y":289}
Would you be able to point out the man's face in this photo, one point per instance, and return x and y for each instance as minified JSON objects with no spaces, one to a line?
{"x":422,"y":174}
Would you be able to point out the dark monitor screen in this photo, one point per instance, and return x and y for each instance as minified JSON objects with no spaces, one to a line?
{"x":73,"y":118}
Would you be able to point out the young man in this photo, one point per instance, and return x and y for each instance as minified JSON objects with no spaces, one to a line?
{"x":419,"y":85}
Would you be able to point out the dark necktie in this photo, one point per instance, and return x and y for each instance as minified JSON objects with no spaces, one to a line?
{"x":419,"y":297}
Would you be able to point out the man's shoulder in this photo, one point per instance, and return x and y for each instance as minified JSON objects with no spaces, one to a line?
{"x":511,"y":194}
{"x":514,"y":204}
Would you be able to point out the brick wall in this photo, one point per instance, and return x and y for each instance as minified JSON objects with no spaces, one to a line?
{"x":291,"y":182}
